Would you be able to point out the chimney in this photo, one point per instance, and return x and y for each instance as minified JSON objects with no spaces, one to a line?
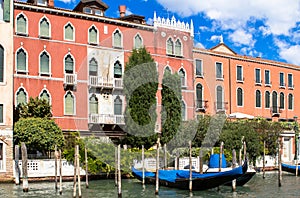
{"x":51,"y":3}
{"x":122,"y":10}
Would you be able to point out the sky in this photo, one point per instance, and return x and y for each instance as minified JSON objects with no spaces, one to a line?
{"x":269,"y":29}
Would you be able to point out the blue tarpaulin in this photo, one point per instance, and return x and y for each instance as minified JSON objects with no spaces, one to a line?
{"x":214,"y":161}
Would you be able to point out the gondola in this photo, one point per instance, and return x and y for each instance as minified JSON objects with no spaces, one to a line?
{"x":180,"y":178}
{"x":290,"y":168}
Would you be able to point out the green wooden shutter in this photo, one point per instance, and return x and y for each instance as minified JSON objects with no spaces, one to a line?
{"x":21,"y":24}
{"x":267,"y":100}
{"x":44,"y":63}
{"x":44,"y":28}
{"x":1,"y":113}
{"x":69,"y":64}
{"x":69,"y":32}
{"x":93,"y":105}
{"x":21,"y":60}
{"x":6,"y":11}
{"x":69,"y":104}
{"x":1,"y":64}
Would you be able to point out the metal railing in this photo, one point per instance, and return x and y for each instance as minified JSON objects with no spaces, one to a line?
{"x":106,"y":119}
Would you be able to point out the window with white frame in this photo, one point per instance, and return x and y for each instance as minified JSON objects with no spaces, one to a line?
{"x":69,"y":64}
{"x":21,"y":97}
{"x":168,"y":69}
{"x":170,"y":46}
{"x":93,"y":35}
{"x":183,"y":110}
{"x":117,"y":39}
{"x":239,"y":73}
{"x":267,"y":77}
{"x":257,"y":98}
{"x":257,"y":76}
{"x":220,"y":102}
{"x":1,"y":64}
{"x":240,"y":97}
{"x":45,"y":96}
{"x":69,"y":32}
{"x":21,"y":24}
{"x":182,"y":77}
{"x":117,"y":70}
{"x":199,"y":69}
{"x":69,"y":104}
{"x":267,"y":99}
{"x":281,"y":79}
{"x":219,"y":70}
{"x":290,"y":81}
{"x":138,"y":42}
{"x":118,"y":106}
{"x":199,"y":96}
{"x":93,"y":104}
{"x":93,"y":67}
{"x":290,"y":101}
{"x":274,"y":101}
{"x":281,"y":100}
{"x":44,"y":63}
{"x":178,"y":48}
{"x":44,"y":28}
{"x":21,"y":59}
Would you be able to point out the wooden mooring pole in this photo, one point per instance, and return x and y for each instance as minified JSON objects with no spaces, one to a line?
{"x":86,"y":168}
{"x":60,"y":173}
{"x":201,"y":161}
{"x":24,"y":167}
{"x":116,"y":166}
{"x":165,"y":157}
{"x":233,"y":166}
{"x":75,"y":171}
{"x":220,"y":156}
{"x":143,"y":164}
{"x":17,"y":168}
{"x":264,"y":160}
{"x":78,"y":172}
{"x":55,"y":166}
{"x":190,"y":167}
{"x":279,"y":162}
{"x":157,"y":167}
{"x":119,"y":172}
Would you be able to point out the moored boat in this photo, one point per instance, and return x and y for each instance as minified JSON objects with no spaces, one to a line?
{"x":290,"y":168}
{"x":180,"y":178}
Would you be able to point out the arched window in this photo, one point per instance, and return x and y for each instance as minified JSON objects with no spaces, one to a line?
{"x":274,"y":101}
{"x":118,"y":106}
{"x":178,"y":49}
{"x":257,"y":98}
{"x":170,"y":46}
{"x":220,"y":103}
{"x":199,"y":95}
{"x":93,"y":35}
{"x":45,"y":96}
{"x":21,"y":24}
{"x":44,"y":28}
{"x":117,"y":39}
{"x":93,"y":104}
{"x":267,"y":99}
{"x":291,"y":101}
{"x":69,"y":64}
{"x":138,"y":42}
{"x":117,"y":70}
{"x":21,"y":60}
{"x":21,"y":97}
{"x":44,"y":63}
{"x":182,"y":76}
{"x":1,"y":63}
{"x":168,"y":69}
{"x":93,"y":67}
{"x":183,"y":110}
{"x":239,"y":97}
{"x":281,"y":101}
{"x":69,"y":104}
{"x":69,"y":32}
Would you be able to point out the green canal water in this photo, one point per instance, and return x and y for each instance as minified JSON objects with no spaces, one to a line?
{"x":257,"y":187}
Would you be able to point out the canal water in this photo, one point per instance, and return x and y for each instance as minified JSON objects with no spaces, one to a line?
{"x":257,"y":187}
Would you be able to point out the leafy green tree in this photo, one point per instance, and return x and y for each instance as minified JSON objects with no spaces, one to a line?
{"x":37,"y":108}
{"x":140,"y":87}
{"x":171,"y":103}
{"x":38,"y":134}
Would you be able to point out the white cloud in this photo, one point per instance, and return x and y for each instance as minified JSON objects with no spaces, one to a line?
{"x":216,"y":38}
{"x":288,"y":52}
{"x":278,"y":15}
{"x":67,"y":1}
{"x":199,"y":45}
{"x":241,"y":37}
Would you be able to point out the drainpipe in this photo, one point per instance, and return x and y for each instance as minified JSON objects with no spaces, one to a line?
{"x":229,"y":62}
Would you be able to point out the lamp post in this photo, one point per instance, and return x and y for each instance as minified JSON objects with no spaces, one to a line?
{"x":296,"y":137}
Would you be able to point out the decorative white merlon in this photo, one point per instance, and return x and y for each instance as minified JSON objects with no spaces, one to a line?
{"x":173,"y":24}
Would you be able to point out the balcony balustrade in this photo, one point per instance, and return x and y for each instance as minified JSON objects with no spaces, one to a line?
{"x":70,"y":80}
{"x":106,"y":119}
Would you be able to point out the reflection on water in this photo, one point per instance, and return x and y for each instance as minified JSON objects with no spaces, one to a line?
{"x":257,"y":187}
